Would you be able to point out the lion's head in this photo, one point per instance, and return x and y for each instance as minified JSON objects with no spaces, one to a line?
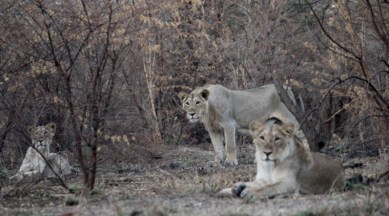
{"x":42,"y":136}
{"x":273,"y":140}
{"x":195,"y":104}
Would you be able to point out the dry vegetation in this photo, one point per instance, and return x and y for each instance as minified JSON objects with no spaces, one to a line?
{"x":108,"y":73}
{"x":181,"y":183}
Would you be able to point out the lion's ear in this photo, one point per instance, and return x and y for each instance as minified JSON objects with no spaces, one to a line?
{"x":288,"y":129}
{"x":256,"y":127}
{"x":204,"y":94}
{"x":182,"y":96}
{"x":274,"y":120}
{"x":52,"y":126}
{"x":30,"y":129}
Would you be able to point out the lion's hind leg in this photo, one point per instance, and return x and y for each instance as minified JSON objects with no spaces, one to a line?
{"x":231,"y":159}
{"x":58,"y":166}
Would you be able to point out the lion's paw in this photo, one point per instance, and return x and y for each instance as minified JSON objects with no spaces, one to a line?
{"x":212,"y":164}
{"x":16,"y":178}
{"x":231,"y":162}
{"x":239,"y":189}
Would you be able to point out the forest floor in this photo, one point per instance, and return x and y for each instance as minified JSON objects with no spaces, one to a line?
{"x":179,"y":182}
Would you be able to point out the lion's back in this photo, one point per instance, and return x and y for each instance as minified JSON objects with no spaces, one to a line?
{"x":324,"y":174}
{"x":242,"y":106}
{"x":59,"y":164}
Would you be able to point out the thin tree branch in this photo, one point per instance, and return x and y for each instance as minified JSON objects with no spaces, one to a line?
{"x":62,"y":182}
{"x":372,"y":87}
{"x":336,"y":113}
{"x":338,"y":81}
{"x":370,"y":116}
{"x":385,"y":62}
{"x":328,"y":34}
{"x":384,"y":37}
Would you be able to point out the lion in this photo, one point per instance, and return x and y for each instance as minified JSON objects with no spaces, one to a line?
{"x":38,"y":156}
{"x":284,"y":166}
{"x":224,"y":111}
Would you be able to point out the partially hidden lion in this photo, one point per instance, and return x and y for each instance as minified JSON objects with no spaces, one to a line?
{"x":34,"y":164}
{"x":224,"y":111}
{"x":285,"y":166}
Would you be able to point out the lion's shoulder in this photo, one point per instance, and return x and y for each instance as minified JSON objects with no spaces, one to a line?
{"x":303,"y":155}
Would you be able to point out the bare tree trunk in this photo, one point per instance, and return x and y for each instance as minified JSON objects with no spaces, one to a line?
{"x":148,"y":66}
{"x":306,"y":126}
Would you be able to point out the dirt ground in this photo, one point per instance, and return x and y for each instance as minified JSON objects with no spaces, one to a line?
{"x":180,"y":182}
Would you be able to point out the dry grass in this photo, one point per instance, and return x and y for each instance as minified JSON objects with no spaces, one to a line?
{"x":181,"y":183}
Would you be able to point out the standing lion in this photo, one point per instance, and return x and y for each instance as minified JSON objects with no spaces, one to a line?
{"x":224,"y":111}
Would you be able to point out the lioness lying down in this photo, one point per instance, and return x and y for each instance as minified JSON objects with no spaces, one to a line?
{"x":34,"y":164}
{"x":285,"y":166}
{"x":223,"y":111}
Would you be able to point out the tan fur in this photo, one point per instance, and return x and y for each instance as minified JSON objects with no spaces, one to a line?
{"x":285,"y":166}
{"x":224,"y":111}
{"x":34,"y":164}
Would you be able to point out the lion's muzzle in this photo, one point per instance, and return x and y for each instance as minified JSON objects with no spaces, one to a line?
{"x":192,"y":117}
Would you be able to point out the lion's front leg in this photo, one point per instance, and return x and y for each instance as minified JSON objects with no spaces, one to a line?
{"x":21,"y":174}
{"x":240,"y":189}
{"x":257,"y":189}
{"x":217,"y":142}
{"x":59,"y":164}
{"x":29,"y":167}
{"x":231,"y":159}
{"x":17,"y":177}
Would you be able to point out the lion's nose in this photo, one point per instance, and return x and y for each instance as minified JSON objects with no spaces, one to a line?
{"x":267,"y":153}
{"x":192,"y":114}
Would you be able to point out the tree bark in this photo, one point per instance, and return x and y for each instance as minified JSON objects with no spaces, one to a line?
{"x":307,"y":127}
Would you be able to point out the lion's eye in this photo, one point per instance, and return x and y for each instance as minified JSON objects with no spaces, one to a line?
{"x":197,"y":102}
{"x":277,"y":138}
{"x":187,"y":103}
{"x":262,"y":137}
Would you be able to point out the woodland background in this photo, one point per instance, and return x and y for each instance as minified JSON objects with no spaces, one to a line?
{"x":108,"y":72}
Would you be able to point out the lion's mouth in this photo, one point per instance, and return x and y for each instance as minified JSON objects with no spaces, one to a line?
{"x":267,"y":159}
{"x":193,"y":119}
{"x":40,"y":145}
